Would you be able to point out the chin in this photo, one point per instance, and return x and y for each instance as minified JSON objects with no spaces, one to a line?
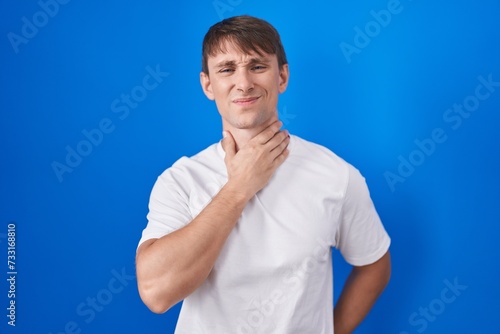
{"x":250,"y":120}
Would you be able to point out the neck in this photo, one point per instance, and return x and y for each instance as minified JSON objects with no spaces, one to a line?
{"x":243,"y":136}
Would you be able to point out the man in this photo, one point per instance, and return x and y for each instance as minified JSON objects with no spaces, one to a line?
{"x":243,"y":231}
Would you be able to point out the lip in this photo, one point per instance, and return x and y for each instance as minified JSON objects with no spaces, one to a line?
{"x":246,"y":100}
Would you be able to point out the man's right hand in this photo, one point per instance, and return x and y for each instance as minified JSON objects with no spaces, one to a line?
{"x":173,"y":266}
{"x":250,"y":168}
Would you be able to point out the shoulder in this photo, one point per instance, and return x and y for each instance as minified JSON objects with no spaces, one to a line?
{"x":317,"y":153}
{"x":209,"y":158}
{"x":322,"y":164}
{"x":305,"y":146}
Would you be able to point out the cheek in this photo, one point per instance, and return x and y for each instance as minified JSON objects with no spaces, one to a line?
{"x":221,"y":91}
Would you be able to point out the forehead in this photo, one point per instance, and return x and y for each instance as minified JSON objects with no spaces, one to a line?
{"x":230,"y":52}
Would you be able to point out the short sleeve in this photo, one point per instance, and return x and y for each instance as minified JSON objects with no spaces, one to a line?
{"x":361,"y":237}
{"x":168,"y":208}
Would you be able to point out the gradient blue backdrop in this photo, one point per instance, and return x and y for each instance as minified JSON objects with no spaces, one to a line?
{"x":77,"y":234}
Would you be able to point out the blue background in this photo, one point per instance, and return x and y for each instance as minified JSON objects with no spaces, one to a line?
{"x":77,"y":233}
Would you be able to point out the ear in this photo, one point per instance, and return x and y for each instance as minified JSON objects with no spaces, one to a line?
{"x":284,"y":75}
{"x":206,"y":85}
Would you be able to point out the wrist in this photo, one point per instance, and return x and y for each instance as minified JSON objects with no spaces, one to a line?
{"x":236,"y":194}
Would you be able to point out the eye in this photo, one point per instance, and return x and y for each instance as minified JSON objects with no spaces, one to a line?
{"x":226,"y":70}
{"x":259,"y":68}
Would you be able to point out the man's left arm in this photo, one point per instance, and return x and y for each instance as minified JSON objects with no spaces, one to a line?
{"x":362,"y":288}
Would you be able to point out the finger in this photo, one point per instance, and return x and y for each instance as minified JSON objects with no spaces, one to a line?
{"x":268,"y":132}
{"x":281,"y":147}
{"x":228,"y":144}
{"x":282,"y":157}
{"x":278,"y":138}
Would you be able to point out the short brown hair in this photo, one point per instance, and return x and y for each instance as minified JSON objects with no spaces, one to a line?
{"x":248,"y":33}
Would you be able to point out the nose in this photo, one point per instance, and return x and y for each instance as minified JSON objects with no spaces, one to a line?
{"x":244,"y":81}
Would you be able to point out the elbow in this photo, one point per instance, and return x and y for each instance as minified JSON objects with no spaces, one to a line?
{"x":152,"y":290}
{"x":153,"y":299}
{"x":157,"y":308}
{"x":154,"y":295}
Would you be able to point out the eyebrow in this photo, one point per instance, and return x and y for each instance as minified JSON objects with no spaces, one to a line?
{"x":252,"y":61}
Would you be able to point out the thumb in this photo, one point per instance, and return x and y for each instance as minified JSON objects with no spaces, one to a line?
{"x":228,"y":144}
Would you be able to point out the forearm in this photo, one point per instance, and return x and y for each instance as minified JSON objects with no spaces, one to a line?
{"x":362,"y":288}
{"x":172,"y":267}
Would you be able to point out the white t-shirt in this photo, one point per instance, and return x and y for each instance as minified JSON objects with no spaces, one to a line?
{"x":274,"y":274}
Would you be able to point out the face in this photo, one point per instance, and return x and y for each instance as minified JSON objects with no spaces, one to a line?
{"x":245,"y":87}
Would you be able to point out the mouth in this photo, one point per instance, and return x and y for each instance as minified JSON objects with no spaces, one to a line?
{"x":246,"y":101}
